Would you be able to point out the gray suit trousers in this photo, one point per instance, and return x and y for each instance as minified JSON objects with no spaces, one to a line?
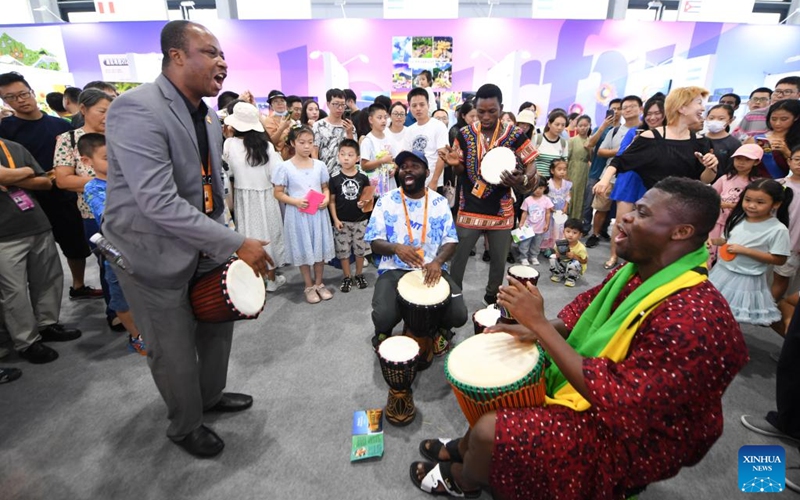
{"x":31,"y":285}
{"x":188,"y":358}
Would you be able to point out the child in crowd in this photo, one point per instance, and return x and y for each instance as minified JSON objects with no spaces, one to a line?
{"x":308,"y":236}
{"x":349,"y":221}
{"x":559,"y":189}
{"x":92,"y":148}
{"x":377,"y":155}
{"x":783,"y":274}
{"x":569,"y":264}
{"x":250,"y":156}
{"x":731,"y":184}
{"x":537,"y":210}
{"x":754,"y":240}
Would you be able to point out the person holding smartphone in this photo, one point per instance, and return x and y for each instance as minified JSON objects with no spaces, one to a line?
{"x":329,"y":131}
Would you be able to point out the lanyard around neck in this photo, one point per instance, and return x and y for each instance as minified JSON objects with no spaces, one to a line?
{"x":491,"y":144}
{"x":408,"y":219}
{"x":11,"y":163}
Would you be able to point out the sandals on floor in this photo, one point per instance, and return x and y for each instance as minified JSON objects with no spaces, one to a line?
{"x":440,"y":474}
{"x":610,"y":264}
{"x":435,"y":446}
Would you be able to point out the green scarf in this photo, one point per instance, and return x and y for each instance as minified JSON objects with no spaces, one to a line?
{"x":598,"y":326}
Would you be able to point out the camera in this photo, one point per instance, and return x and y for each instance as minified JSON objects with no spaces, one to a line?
{"x":347,"y":114}
{"x":563,"y":247}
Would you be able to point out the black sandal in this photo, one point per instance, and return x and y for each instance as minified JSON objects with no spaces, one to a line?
{"x":437,"y":474}
{"x":436,"y":445}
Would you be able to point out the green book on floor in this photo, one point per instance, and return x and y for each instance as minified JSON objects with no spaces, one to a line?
{"x":367,"y":434}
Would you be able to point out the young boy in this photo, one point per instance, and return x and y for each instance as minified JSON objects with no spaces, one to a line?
{"x":377,"y":157}
{"x":92,"y":148}
{"x":568,"y":264}
{"x":349,"y":221}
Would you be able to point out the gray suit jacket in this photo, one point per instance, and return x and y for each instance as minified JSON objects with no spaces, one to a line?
{"x":154,"y":206}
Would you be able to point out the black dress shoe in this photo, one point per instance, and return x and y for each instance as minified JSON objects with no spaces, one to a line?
{"x":39,"y":353}
{"x":58,"y":333}
{"x":202,"y":443}
{"x":232,"y":402}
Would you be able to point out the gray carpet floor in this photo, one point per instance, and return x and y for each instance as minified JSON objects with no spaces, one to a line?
{"x":91,"y":425}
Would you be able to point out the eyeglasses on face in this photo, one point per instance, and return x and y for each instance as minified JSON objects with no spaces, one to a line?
{"x":760,"y":99}
{"x":784,"y":92}
{"x":17,"y":97}
{"x":336,"y":104}
{"x":398,"y":115}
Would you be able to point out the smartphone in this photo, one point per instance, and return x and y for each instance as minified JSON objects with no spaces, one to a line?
{"x":610,"y":113}
{"x":347,"y":114}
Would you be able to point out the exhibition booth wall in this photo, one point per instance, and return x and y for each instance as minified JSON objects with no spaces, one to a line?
{"x":576,"y":65}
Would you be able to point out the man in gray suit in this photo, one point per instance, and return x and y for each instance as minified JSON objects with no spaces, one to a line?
{"x":164,"y":212}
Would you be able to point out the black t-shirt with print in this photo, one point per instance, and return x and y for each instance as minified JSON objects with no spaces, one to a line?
{"x":347,"y":189}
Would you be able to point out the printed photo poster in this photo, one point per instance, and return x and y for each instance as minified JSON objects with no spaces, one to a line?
{"x":411,"y":55}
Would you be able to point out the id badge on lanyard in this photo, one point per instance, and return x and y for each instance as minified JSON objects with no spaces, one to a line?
{"x":18,"y":196}
{"x":208,"y":194}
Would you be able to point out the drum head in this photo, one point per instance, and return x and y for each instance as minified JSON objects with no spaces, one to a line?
{"x":492,"y":360}
{"x":246,"y":290}
{"x":559,"y":217}
{"x":487,"y":316}
{"x":523,"y":272}
{"x":413,"y":289}
{"x":398,"y":349}
{"x":495,"y":162}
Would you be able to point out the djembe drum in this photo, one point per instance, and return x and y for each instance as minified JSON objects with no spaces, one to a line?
{"x":494,"y":371}
{"x":525,"y":274}
{"x":421,"y":306}
{"x":228,"y":292}
{"x":484,"y":318}
{"x":398,"y":358}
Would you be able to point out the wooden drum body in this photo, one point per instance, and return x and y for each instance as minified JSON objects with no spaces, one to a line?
{"x":421,"y":307}
{"x":229,"y":292}
{"x":493,"y":371}
{"x":398,"y":358}
{"x":525,"y":274}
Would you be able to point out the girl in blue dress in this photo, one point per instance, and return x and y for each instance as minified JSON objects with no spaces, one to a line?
{"x":307,"y":233}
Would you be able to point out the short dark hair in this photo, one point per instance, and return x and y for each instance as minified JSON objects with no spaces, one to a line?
{"x":761,"y":90}
{"x":574,"y":224}
{"x":634,"y":98}
{"x":526,"y":105}
{"x":693,"y":202}
{"x":350,"y":95}
{"x":736,"y":98}
{"x":89,"y":143}
{"x":399,"y":103}
{"x":56,"y":101}
{"x":427,"y":74}
{"x":225,"y":98}
{"x":417,"y":91}
{"x":447,"y":113}
{"x":616,"y":100}
{"x":374,"y":108}
{"x":296,"y":132}
{"x":572,"y":116}
{"x":790,"y":80}
{"x":489,"y":91}
{"x":350,"y":143}
{"x":173,"y":36}
{"x":384,"y":101}
{"x":91,"y":97}
{"x":557,"y":113}
{"x":72,"y":93}
{"x":291,"y":99}
{"x":12,"y":77}
{"x":332,"y":93}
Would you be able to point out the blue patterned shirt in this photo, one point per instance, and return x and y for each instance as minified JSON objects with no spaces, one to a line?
{"x":388,"y":223}
{"x":94,"y":194}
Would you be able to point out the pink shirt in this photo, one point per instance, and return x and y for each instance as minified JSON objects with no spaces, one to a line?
{"x":729,"y":191}
{"x":537,"y":210}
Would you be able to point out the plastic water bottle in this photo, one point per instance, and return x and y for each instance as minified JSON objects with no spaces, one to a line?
{"x":110,"y":252}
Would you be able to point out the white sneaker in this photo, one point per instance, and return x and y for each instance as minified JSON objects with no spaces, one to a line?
{"x":535,"y":262}
{"x":525,"y":262}
{"x":274,"y":285}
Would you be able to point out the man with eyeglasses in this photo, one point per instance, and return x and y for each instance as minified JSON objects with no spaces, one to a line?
{"x":329,"y":131}
{"x":786,"y":88}
{"x":37,"y":131}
